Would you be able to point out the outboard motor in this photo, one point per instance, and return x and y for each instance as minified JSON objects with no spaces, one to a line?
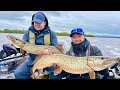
{"x":8,"y":50}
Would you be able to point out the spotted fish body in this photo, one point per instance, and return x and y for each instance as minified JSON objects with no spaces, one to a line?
{"x":74,"y":65}
{"x":34,"y":49}
{"x":70,"y":64}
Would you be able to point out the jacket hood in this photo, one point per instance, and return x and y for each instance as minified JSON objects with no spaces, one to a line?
{"x":31,"y":28}
{"x":44,"y":16}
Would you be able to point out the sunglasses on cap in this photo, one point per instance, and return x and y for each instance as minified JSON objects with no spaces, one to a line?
{"x":78,"y":30}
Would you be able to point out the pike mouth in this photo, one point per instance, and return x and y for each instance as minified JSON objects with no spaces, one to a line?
{"x":11,"y":38}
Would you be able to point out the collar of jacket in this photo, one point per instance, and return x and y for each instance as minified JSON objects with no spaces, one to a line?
{"x":45,"y":30}
{"x":80,"y":49}
{"x":83,"y":45}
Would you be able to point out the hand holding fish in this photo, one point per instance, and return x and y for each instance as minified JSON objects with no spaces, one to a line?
{"x":58,"y":69}
{"x":46,"y":52}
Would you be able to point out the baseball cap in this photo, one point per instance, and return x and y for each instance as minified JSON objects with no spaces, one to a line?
{"x":78,"y":30}
{"x":39,"y":18}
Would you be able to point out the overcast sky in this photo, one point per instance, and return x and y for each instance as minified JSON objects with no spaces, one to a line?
{"x":93,"y":22}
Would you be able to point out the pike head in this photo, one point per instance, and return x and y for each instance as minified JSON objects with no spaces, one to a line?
{"x":15,"y":41}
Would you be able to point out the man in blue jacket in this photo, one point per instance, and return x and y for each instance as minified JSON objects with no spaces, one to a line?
{"x":38,"y":33}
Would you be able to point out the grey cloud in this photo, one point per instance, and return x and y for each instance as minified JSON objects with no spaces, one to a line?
{"x":99,"y":22}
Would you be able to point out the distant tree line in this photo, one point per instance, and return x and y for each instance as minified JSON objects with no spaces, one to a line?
{"x":12,"y":31}
{"x":62,"y":33}
{"x":89,"y":35}
{"x":23,"y":31}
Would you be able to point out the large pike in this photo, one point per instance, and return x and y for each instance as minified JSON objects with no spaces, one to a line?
{"x":34,"y":49}
{"x":74,"y":65}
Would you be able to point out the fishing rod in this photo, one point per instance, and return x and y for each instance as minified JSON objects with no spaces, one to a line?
{"x":16,"y":58}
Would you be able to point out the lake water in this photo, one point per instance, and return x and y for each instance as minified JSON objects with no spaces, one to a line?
{"x":109,"y":46}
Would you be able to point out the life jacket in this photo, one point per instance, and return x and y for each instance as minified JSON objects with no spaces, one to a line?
{"x":46,"y":42}
{"x":87,"y":51}
{"x":32,"y":38}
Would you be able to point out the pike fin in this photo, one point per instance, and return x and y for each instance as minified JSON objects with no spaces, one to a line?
{"x":44,"y":77}
{"x":21,"y":51}
{"x":59,"y":47}
{"x":40,"y":76}
{"x":92,"y":74}
{"x":36,"y":59}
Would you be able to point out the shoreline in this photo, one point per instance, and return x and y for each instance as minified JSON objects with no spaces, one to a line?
{"x":68,"y":36}
{"x":57,"y":33}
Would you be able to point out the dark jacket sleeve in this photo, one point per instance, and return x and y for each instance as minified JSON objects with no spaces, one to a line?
{"x":53,"y":39}
{"x":26,"y":36}
{"x":97,"y":52}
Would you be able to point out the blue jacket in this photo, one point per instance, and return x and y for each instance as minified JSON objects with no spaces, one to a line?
{"x":39,"y":38}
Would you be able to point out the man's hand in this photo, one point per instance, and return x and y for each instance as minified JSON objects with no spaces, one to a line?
{"x":46,"y":52}
{"x":58,"y":69}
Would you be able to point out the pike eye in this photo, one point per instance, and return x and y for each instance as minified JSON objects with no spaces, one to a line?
{"x":23,"y":42}
{"x":102,"y":58}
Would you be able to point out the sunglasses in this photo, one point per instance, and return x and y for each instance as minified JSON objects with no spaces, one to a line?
{"x":78,"y":30}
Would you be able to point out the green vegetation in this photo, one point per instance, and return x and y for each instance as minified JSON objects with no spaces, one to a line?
{"x":62,"y":33}
{"x":89,"y":35}
{"x":22,"y":32}
{"x":67,"y":34}
{"x":12,"y":31}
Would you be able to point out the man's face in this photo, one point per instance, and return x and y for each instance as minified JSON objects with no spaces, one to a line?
{"x":77,"y":38}
{"x":39,"y":26}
